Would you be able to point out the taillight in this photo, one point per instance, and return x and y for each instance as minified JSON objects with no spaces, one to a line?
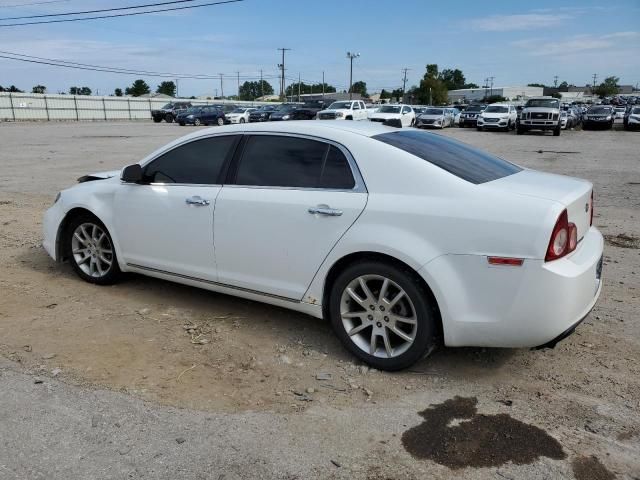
{"x":591,"y":208}
{"x":564,"y":238}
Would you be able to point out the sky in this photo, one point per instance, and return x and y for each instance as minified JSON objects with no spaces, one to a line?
{"x":514,"y":42}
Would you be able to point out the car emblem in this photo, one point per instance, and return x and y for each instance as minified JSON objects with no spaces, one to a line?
{"x":586,"y":207}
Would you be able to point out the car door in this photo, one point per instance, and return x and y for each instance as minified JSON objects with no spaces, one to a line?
{"x":165,"y":222}
{"x":288,"y":202}
{"x":406,"y":117}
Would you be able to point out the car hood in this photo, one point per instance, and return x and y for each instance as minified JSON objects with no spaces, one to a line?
{"x":386,"y":116}
{"x":99,"y":176}
{"x":334,"y":110}
{"x":540,"y":109}
{"x":426,"y":116}
{"x":495,"y":114}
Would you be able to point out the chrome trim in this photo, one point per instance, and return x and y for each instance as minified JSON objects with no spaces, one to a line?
{"x":211,"y":282}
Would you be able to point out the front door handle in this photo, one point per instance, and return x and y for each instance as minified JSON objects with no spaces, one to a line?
{"x":325,"y":210}
{"x":197,"y":200}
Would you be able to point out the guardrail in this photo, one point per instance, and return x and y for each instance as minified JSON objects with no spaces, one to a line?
{"x":25,"y":106}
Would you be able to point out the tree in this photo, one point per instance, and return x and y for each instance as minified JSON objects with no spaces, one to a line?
{"x":79,"y":91}
{"x":608,"y":87}
{"x":12,"y":89}
{"x":39,"y":89}
{"x":471,"y":85}
{"x":118,"y":92}
{"x":384,"y":95}
{"x":138,"y":88}
{"x":292,"y":89}
{"x":453,"y":79}
{"x":541,"y":85}
{"x":563,"y":85}
{"x":494,"y":99}
{"x":432,"y":90}
{"x":360,"y":87}
{"x":168,"y":88}
{"x":397,"y":94}
{"x":253,"y":90}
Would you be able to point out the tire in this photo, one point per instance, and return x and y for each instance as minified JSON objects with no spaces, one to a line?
{"x":479,"y":129}
{"x":556,"y":131}
{"x":197,"y":122}
{"x":461,"y":125}
{"x":220,"y":121}
{"x":94,"y":249}
{"x":508,"y":127}
{"x":157,"y":119}
{"x":168,"y":118}
{"x":182,"y":124}
{"x":520,"y":131}
{"x":397,"y":352}
{"x":242,"y":120}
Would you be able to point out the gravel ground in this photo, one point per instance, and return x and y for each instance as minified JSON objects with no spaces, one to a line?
{"x":107,"y":382}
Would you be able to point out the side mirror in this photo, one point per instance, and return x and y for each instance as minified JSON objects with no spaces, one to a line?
{"x":132,"y":173}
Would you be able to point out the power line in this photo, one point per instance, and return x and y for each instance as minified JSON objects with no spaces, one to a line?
{"x":97,"y":11}
{"x":18,"y":5}
{"x":130,"y":14}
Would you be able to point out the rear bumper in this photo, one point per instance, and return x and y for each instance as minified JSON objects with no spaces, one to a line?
{"x":528,"y":306}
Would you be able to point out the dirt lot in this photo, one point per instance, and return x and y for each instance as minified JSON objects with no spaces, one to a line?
{"x":571,"y":412}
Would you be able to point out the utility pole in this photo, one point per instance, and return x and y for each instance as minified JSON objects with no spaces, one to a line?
{"x":298,"y":88}
{"x":555,"y":81}
{"x":261,"y":85}
{"x":593,"y":89}
{"x":282,"y":68}
{"x":221,"y":86}
{"x":486,"y":88}
{"x":404,"y":81}
{"x":351,"y":56}
{"x":491,"y":91}
{"x":323,"y":86}
{"x":238,"y":73}
{"x":177,"y":94}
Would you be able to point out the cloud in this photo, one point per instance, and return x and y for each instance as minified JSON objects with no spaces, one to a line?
{"x":575,"y":45}
{"x":526,"y":21}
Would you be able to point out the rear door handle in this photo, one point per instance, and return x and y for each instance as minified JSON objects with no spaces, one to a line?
{"x":325,"y":210}
{"x":197,"y":200}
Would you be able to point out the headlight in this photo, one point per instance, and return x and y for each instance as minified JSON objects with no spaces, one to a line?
{"x":57,"y":197}
{"x":339,"y":114}
{"x":189,"y":116}
{"x":286,"y":117}
{"x":608,"y":117}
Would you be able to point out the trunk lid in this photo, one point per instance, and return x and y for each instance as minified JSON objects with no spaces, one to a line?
{"x":573,"y":193}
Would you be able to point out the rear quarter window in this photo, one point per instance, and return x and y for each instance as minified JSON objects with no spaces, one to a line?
{"x":455,"y":157}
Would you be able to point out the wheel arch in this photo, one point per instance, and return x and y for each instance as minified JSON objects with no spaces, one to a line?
{"x":61,"y":255}
{"x":343,"y":262}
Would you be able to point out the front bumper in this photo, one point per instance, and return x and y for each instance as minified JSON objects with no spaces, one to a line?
{"x":540,"y":124}
{"x":526,"y":306}
{"x":501,"y":123}
{"x":468,"y":121}
{"x":50,"y":225}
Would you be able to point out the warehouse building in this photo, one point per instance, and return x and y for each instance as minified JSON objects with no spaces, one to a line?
{"x":467,"y":95}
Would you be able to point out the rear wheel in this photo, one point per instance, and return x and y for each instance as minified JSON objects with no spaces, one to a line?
{"x":382,"y":314}
{"x":90,"y":250}
{"x":556,"y":131}
{"x":168,"y":118}
{"x":479,"y":129}
{"x":157,"y":119}
{"x":520,"y":130}
{"x":197,"y":122}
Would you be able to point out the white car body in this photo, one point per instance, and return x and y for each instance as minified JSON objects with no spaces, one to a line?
{"x":493,"y":117}
{"x":344,"y":110}
{"x":240,"y":117}
{"x":278,"y":245}
{"x":620,"y":112}
{"x":404,"y":113}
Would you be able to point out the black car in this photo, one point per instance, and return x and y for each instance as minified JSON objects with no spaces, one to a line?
{"x":599,"y":116}
{"x":284,"y":112}
{"x":262,"y":114}
{"x":205,"y":115}
{"x":469,"y":117}
{"x":309,"y":110}
{"x":170,"y":111}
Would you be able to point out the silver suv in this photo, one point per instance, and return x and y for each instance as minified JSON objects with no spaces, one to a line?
{"x":540,"y":113}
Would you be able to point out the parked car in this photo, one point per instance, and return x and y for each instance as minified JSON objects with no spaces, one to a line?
{"x":239,"y":114}
{"x":599,"y":116}
{"x":540,"y":113}
{"x":403,"y":239}
{"x":631,"y":119}
{"x":284,"y":112}
{"x":170,"y":111}
{"x":262,"y":114}
{"x":207,"y":115}
{"x":309,"y":110}
{"x":469,"y":116}
{"x":434,"y":117}
{"x":455,"y":113}
{"x":620,"y":112}
{"x":344,"y":110}
{"x":498,"y":116}
{"x":404,"y":113}
{"x":372,"y":108}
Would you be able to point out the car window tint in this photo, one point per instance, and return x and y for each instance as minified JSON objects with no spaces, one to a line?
{"x":336,"y":172}
{"x":455,"y":157}
{"x":197,"y":162}
{"x":277,"y":161}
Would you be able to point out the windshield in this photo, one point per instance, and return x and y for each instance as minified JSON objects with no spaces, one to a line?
{"x":433,"y":111}
{"x":337,"y":105}
{"x":286,"y":108}
{"x":168,"y":106}
{"x":635,"y":110}
{"x":496,"y":109}
{"x":193,"y":109}
{"x":455,"y":157}
{"x":238,"y":110}
{"x":600,"y":110}
{"x":543,"y":102}
{"x":474,"y":108}
{"x":389,"y":109}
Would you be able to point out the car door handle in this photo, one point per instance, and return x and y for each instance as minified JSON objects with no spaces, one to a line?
{"x":197,"y":200}
{"x":325,"y":210}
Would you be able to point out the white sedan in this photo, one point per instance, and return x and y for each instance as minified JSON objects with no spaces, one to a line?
{"x":401,"y":238}
{"x":403,"y":113}
{"x":239,"y":115}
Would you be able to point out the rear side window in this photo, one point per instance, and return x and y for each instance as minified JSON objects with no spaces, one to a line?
{"x":197,"y":162}
{"x":455,"y":157}
{"x":277,"y":161}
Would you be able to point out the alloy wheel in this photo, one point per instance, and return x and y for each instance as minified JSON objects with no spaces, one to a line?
{"x":92,"y":250}
{"x":378,"y":316}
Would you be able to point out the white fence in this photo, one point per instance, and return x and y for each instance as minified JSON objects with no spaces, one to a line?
{"x":33,"y":106}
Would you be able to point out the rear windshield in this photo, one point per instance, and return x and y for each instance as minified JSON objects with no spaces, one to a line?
{"x":455,"y":157}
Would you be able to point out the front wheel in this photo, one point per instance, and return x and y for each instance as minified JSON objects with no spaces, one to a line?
{"x":220,"y":121}
{"x":519,"y":131}
{"x":168,"y":118}
{"x":382,"y":314}
{"x":242,"y":120}
{"x":556,"y":131}
{"x":157,"y":119}
{"x":90,"y":250}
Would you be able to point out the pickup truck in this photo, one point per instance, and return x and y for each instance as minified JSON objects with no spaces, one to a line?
{"x":344,"y":110}
{"x":309,"y":110}
{"x":540,"y":113}
{"x":170,"y":111}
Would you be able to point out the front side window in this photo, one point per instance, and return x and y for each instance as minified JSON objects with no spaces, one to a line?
{"x":276,"y":161}
{"x":198,"y":162}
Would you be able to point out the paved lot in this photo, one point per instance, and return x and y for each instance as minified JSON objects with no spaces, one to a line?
{"x":106,"y":382}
